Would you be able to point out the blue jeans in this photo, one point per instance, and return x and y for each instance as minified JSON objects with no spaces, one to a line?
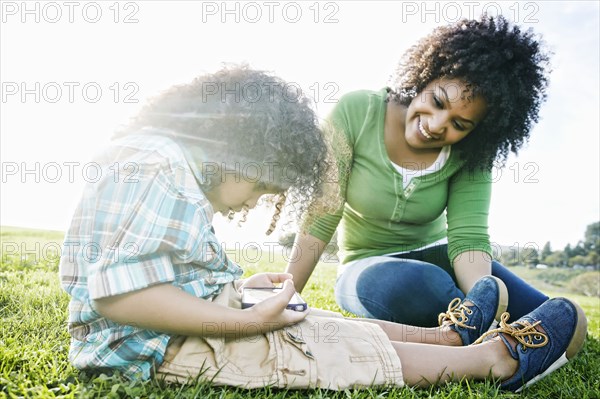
{"x":413,"y":288}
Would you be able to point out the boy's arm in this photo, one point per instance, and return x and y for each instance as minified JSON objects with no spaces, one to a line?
{"x":168,"y":309}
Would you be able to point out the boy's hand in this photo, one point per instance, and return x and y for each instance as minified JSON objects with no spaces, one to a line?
{"x":272,"y":312}
{"x":263,"y":280}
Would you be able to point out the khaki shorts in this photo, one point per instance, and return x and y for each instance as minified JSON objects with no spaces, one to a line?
{"x":324,"y":350}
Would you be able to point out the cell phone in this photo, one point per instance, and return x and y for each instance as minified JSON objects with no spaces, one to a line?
{"x":252,"y":296}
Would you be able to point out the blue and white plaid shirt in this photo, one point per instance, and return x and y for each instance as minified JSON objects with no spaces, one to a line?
{"x":145,"y":221}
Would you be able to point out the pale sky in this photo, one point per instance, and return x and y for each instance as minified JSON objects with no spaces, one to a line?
{"x":72,"y":72}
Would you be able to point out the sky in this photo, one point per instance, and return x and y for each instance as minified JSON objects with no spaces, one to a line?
{"x":71,"y":72}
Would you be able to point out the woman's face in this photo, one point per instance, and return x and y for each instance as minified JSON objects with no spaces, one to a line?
{"x":235,"y":193}
{"x":444,"y":113}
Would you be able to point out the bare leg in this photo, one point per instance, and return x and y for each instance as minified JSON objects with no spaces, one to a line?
{"x":425,"y":365}
{"x":404,"y":333}
{"x":442,"y":335}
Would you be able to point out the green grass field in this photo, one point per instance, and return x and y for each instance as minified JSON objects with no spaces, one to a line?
{"x":34,"y":340}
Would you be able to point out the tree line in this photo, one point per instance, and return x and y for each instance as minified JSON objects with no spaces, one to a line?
{"x":585,"y":253}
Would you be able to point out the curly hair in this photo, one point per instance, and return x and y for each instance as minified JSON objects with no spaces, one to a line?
{"x":505,"y":65}
{"x":248,"y":122}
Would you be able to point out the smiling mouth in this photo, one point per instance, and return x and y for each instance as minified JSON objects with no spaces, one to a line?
{"x":424,"y":132}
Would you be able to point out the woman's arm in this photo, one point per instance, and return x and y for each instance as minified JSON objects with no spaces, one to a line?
{"x":469,"y":267}
{"x":168,"y":309}
{"x":468,"y":239}
{"x":304,"y":257}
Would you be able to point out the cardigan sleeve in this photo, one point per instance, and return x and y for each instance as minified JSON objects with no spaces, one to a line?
{"x":468,"y":205}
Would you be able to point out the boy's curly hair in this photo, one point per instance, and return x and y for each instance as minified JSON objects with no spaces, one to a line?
{"x":505,"y":65}
{"x":248,"y":122}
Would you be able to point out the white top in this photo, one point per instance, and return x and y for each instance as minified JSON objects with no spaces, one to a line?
{"x":408,"y":174}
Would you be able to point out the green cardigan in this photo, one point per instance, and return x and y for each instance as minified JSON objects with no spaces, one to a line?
{"x":379,"y":216}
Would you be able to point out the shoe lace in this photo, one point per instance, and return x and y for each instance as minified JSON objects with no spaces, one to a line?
{"x":523,"y":331}
{"x":456,"y":314}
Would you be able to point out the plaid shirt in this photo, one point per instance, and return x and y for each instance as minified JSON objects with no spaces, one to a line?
{"x":145,"y":221}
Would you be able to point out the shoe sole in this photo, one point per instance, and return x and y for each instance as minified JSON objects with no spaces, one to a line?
{"x":573,"y":348}
{"x":502,"y":302}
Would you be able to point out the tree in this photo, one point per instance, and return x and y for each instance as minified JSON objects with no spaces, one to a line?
{"x":579,"y":250}
{"x":530,"y":256}
{"x":591,"y":241}
{"x":568,"y":251}
{"x":592,"y":259}
{"x":546,"y":251}
{"x":557,"y":258}
{"x":577,"y":260}
{"x":287,"y":240}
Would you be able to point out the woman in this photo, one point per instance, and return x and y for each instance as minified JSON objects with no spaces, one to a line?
{"x":416,"y":163}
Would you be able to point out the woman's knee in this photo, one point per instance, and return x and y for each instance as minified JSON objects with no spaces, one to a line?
{"x":406,"y":291}
{"x":522,"y":296}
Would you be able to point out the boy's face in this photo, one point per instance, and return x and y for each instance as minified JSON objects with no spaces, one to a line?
{"x":235,"y":193}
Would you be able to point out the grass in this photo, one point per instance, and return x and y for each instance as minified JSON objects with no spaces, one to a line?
{"x":34,"y":340}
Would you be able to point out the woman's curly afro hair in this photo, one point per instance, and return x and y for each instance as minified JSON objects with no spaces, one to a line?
{"x":505,"y":65}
